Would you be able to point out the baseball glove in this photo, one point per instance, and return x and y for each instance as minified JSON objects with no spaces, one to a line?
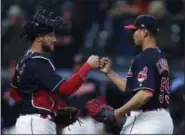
{"x":66,"y":116}
{"x":101,"y":112}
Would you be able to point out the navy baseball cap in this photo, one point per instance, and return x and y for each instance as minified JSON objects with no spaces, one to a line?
{"x":144,"y":21}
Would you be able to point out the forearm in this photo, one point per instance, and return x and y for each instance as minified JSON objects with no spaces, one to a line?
{"x":136,"y":102}
{"x":117,"y":80}
{"x":74,"y":83}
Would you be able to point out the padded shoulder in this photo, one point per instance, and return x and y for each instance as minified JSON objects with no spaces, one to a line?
{"x":43,"y":58}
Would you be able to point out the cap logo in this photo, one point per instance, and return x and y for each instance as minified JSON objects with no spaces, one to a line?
{"x":142,"y":25}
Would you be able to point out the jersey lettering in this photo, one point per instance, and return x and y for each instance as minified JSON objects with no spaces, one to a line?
{"x":162,"y":65}
{"x":164,"y":89}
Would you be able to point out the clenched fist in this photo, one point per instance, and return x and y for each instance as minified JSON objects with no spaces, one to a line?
{"x":105,"y":64}
{"x":94,"y":61}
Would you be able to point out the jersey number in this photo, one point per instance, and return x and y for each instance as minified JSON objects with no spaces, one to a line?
{"x":164,"y":89}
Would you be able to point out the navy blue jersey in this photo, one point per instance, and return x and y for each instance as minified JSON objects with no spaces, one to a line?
{"x":36,"y":81}
{"x":150,"y":71}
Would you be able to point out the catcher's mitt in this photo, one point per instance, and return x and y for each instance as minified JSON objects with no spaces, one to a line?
{"x":101,"y":112}
{"x":66,"y":116}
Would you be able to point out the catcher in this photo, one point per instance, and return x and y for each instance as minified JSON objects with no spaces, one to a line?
{"x":37,"y":87}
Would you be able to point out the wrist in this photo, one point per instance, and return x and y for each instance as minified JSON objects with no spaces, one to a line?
{"x":108,"y":72}
{"x":87,"y":66}
{"x":119,"y":113}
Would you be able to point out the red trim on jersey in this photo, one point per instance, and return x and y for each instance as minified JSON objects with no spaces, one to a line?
{"x":73,"y":84}
{"x":15,"y":94}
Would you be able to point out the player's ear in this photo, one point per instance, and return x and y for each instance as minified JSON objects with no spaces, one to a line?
{"x":146,"y":32}
{"x":38,"y":38}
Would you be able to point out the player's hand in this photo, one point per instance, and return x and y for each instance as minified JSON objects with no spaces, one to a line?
{"x":94,"y":61}
{"x":117,"y":115}
{"x":105,"y":64}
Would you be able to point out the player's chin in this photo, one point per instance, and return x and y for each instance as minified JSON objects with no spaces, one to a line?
{"x":52,"y":47}
{"x":136,"y":44}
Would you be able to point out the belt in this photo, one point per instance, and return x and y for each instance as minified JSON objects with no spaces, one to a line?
{"x":45,"y":116}
{"x":146,"y":110}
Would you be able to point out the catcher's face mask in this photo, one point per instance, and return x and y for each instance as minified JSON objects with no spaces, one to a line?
{"x":43,"y":24}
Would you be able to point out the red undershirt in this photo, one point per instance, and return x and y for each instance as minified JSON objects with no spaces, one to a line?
{"x":73,"y":84}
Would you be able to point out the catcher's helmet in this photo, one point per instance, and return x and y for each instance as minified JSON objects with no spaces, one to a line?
{"x":43,"y":22}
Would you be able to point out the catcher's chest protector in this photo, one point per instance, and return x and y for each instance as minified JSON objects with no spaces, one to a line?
{"x":35,"y":97}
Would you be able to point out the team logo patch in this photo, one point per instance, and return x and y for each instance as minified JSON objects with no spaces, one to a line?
{"x":142,"y":75}
{"x":130,"y":73}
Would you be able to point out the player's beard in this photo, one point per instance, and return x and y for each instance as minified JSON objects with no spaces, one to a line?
{"x":46,"y":47}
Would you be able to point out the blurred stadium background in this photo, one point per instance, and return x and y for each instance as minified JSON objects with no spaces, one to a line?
{"x":95,"y":27}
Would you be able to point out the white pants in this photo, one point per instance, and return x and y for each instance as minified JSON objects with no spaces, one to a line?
{"x":33,"y":124}
{"x":150,"y":122}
